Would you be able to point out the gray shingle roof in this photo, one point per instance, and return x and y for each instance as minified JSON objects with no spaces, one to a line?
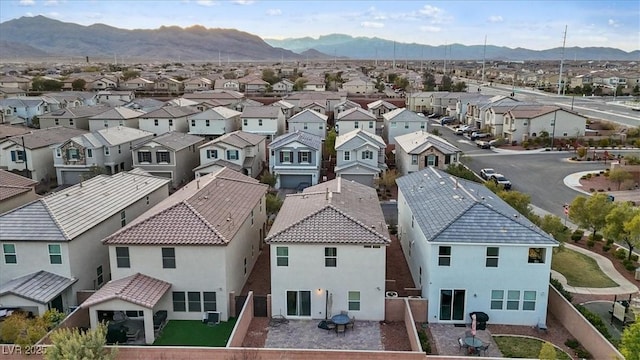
{"x":453,"y":210}
{"x":336,"y":211}
{"x":46,"y":137}
{"x":217,"y":113}
{"x":137,"y":289}
{"x":355,"y":114}
{"x":310,"y":140}
{"x":41,"y":286}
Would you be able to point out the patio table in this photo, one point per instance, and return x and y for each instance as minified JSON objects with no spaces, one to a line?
{"x":474,"y":344}
{"x":340,"y":319}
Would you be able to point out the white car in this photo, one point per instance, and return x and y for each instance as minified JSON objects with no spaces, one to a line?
{"x":486,"y":173}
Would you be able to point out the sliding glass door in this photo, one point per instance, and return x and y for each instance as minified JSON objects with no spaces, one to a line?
{"x":298,"y":303}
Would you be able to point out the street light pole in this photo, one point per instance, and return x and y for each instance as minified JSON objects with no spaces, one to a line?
{"x":553,"y":127}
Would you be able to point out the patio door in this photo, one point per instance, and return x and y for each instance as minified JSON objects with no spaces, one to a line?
{"x":298,"y":303}
{"x":452,"y":305}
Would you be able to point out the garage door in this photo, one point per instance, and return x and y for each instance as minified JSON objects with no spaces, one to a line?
{"x":71,"y":177}
{"x":360,"y":178}
{"x":293,"y":181}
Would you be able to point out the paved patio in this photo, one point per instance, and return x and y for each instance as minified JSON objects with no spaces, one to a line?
{"x":305,"y":334}
{"x":446,"y":339}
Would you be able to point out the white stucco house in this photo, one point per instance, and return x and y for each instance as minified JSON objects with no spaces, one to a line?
{"x":418,"y":150}
{"x":295,"y":160}
{"x":309,"y":121}
{"x":469,"y":251}
{"x":524,"y":122}
{"x":214,"y":122}
{"x":57,"y":237}
{"x":402,"y":121}
{"x":328,"y":249}
{"x":200,"y":242}
{"x":167,"y":118}
{"x":355,"y":118}
{"x":360,"y":156}
{"x":117,"y":116}
{"x":263,"y":120}
{"x":240,"y":151}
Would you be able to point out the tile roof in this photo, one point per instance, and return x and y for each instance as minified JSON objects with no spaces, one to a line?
{"x":220,"y":163}
{"x":419,"y":141}
{"x":336,"y":211}
{"x":174,"y":140}
{"x":170,"y":112}
{"x":66,"y":214}
{"x":46,"y":137}
{"x":41,"y":286}
{"x":379,"y":103}
{"x":208,"y":211}
{"x":402,"y":114}
{"x":118,"y":135}
{"x":261,"y":112}
{"x":137,"y":289}
{"x":367,"y":136}
{"x":76,"y":112}
{"x":355,"y":113}
{"x":310,"y":140}
{"x":12,"y":130}
{"x":118,"y":113}
{"x":13,"y":184}
{"x":452,"y":210}
{"x":309,"y":116}
{"x":238,"y":138}
{"x":217,"y":113}
{"x":531,"y":111}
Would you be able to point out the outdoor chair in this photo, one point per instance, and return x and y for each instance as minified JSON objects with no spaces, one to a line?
{"x":462,"y":344}
{"x":340,"y":329}
{"x":342,"y":312}
{"x":484,"y":349}
{"x":352,"y":323}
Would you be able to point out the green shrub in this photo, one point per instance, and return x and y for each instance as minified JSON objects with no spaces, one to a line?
{"x":621,"y":254}
{"x":595,"y":320}
{"x":609,"y":241}
{"x":583,"y":354}
{"x":634,"y":257}
{"x":595,"y":237}
{"x":589,"y":176}
{"x":556,"y":284}
{"x":590,"y":243}
{"x":577,"y":235}
{"x":592,"y":190}
{"x":424,"y":341}
{"x":630,"y":266}
{"x":606,"y":248}
{"x":572,"y":343}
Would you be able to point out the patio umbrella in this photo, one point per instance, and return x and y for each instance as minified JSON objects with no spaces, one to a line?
{"x":473,"y":325}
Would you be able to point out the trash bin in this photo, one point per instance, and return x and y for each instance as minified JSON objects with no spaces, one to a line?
{"x":481,"y":320}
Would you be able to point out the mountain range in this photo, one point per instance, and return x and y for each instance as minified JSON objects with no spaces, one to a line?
{"x":39,"y":37}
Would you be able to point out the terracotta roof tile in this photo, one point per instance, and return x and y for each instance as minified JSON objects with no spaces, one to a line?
{"x":138,"y":289}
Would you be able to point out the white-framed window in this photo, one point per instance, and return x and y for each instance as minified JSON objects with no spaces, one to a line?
{"x":107,"y":152}
{"x":55,"y":254}
{"x":179,"y":301}
{"x":56,"y":121}
{"x":233,"y":155}
{"x":119,"y":149}
{"x":155,"y":122}
{"x":431,"y":160}
{"x":536,"y":255}
{"x":406,"y":125}
{"x":99,"y":275}
{"x":393,"y":124}
{"x":245,"y":266}
{"x":497,"y":299}
{"x":58,"y":152}
{"x":444,"y":256}
{"x":492,"y":257}
{"x":330,"y":257}
{"x":209,"y":301}
{"x":414,"y":159}
{"x":120,"y":122}
{"x":513,"y":299}
{"x":71,"y":122}
{"x":259,"y":122}
{"x":282,"y":256}
{"x":106,"y":123}
{"x":89,"y":153}
{"x":193,"y":122}
{"x":212,"y":154}
{"x":122,"y":257}
{"x":367,"y":155}
{"x":9,"y":252}
{"x":244,"y":122}
{"x":304,"y":157}
{"x":305,"y":126}
{"x":370,"y":124}
{"x":170,"y":122}
{"x":356,"y":124}
{"x":252,"y":218}
{"x":168,"y":258}
{"x":123,"y":218}
{"x":286,"y":156}
{"x":73,"y":154}
{"x":423,"y":125}
{"x":193,"y":298}
{"x":163,"y":157}
{"x":529,"y":301}
{"x":207,"y":122}
{"x":354,"y":300}
{"x":144,"y":156}
{"x":347,"y":155}
{"x":17,"y":155}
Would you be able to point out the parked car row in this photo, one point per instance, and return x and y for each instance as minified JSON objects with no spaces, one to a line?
{"x":490,"y":174}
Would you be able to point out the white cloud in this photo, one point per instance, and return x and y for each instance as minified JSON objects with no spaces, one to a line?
{"x":430,"y":28}
{"x":274,"y":12}
{"x":243,"y":2}
{"x":495,"y":18}
{"x":431,"y":11}
{"x":51,"y":3}
{"x":29,"y":14}
{"x":53,"y":14}
{"x":206,"y":2}
{"x":613,"y":23}
{"x":27,"y":2}
{"x":372,"y":24}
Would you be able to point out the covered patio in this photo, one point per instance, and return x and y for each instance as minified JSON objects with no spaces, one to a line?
{"x":37,"y":292}
{"x":128,"y":306}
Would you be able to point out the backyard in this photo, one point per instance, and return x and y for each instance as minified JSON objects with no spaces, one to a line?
{"x":195,"y":333}
{"x":522,"y":347}
{"x":580,"y":270}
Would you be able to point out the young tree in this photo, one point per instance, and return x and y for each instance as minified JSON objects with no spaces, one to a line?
{"x":590,"y":213}
{"x":620,"y":215}
{"x":274,"y":203}
{"x":330,"y":143}
{"x":547,"y":352}
{"x":78,"y":84}
{"x":446,"y":83}
{"x":270,"y":76}
{"x":517,"y":200}
{"x":299,"y":84}
{"x":459,"y":86}
{"x":388,"y":179}
{"x":130,"y":74}
{"x":630,"y":341}
{"x":401,"y":82}
{"x":268,"y":178}
{"x":73,"y":344}
{"x":619,"y":176}
{"x":553,"y":225}
{"x":429,"y":81}
{"x":20,"y":330}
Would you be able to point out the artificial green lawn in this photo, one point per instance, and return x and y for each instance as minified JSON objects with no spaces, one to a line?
{"x":580,"y":270}
{"x":520,"y":347}
{"x":195,"y":333}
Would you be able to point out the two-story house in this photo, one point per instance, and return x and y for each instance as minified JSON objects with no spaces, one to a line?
{"x":73,"y":117}
{"x":355,"y":118}
{"x":117,"y":116}
{"x":139,"y":84}
{"x":199,"y":230}
{"x":328,"y":252}
{"x":197,"y":84}
{"x":167,"y":119}
{"x":524,"y":122}
{"x":51,"y":247}
{"x":380,"y":107}
{"x":169,"y":85}
{"x":418,"y":150}
{"x":171,"y":155}
{"x":31,"y":153}
{"x":309,"y":121}
{"x":500,"y":268}
{"x":402,"y":121}
{"x":103,"y":151}
{"x":360,"y":156}
{"x":285,"y":86}
{"x":295,"y":160}
{"x":263,"y":120}
{"x":214,"y":122}
{"x":227,"y":84}
{"x":359,"y":86}
{"x":239,"y":150}
{"x":286,"y":107}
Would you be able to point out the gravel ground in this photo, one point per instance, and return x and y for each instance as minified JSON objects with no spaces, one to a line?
{"x":394,"y":336}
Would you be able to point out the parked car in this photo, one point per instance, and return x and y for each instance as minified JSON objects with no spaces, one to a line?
{"x":462,"y":129}
{"x":433,"y":116}
{"x":486,"y":173}
{"x":479,"y":135}
{"x":499,"y":179}
{"x":483,"y":144}
{"x":447,"y":120}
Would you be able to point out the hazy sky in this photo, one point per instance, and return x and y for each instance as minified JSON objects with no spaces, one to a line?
{"x":515,"y":23}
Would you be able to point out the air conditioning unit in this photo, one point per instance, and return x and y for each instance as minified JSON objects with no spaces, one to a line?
{"x":211,"y":317}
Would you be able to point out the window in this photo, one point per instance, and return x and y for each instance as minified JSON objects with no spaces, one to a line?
{"x":431,"y":160}
{"x":536,"y":255}
{"x":252,"y":218}
{"x":497,"y":298}
{"x":513,"y":300}
{"x":89,"y":153}
{"x":55,"y":254}
{"x":304,"y":157}
{"x":354,"y":300}
{"x":170,"y":122}
{"x":282,"y":256}
{"x":245,"y":266}
{"x":299,"y":303}
{"x":123,"y":218}
{"x":305,"y":126}
{"x":394,"y":124}
{"x":406,"y":125}
{"x":147,"y":198}
{"x":100,"y":277}
{"x":286,"y":156}
{"x":162,"y":157}
{"x":414,"y":159}
{"x":120,"y":122}
{"x":492,"y":257}
{"x":356,"y":124}
{"x":320,"y":127}
{"x":233,"y":155}
{"x":244,"y":122}
{"x":119,"y":149}
{"x":122,"y":257}
{"x":347,"y":155}
{"x":58,"y":152}
{"x":209,"y":301}
{"x":179,"y":302}
{"x":212,"y":154}
{"x":367,"y":155}
{"x":444,"y":256}
{"x":207,"y":122}
{"x":194,"y":301}
{"x":17,"y":156}
{"x":168,"y":258}
{"x":370,"y":124}
{"x":56,"y":121}
{"x":330,"y":257}
{"x":423,"y":125}
{"x":9,"y":251}
{"x":107,"y":152}
{"x":155,"y":122}
{"x":144,"y":156}
{"x":259,"y":122}
{"x":193,"y":123}
{"x":529,"y":300}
